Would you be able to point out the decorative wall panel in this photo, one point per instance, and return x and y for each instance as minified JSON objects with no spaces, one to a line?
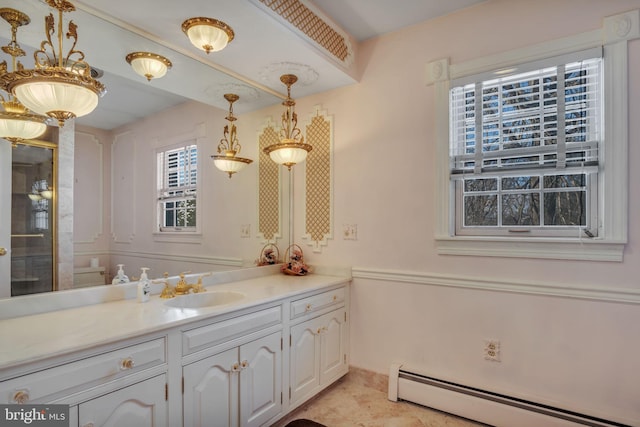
{"x":123,"y":184}
{"x":319,"y":180}
{"x":88,"y":188}
{"x":269,"y":210}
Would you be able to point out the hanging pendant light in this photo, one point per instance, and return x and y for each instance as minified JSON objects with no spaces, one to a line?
{"x":16,"y":123}
{"x":58,"y":86}
{"x":226,"y":160}
{"x":208,"y":34}
{"x":291,"y":149}
{"x":148,"y":65}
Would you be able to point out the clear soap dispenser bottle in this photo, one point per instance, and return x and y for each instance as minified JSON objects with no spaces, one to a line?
{"x":120,"y":277}
{"x":144,"y":288}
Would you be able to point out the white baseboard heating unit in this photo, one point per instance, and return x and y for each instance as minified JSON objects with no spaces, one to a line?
{"x":412,"y":385}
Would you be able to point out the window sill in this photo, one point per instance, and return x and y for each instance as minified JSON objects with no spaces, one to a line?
{"x":543,"y":248}
{"x":178,"y":237}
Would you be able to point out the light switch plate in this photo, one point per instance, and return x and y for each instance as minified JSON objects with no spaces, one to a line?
{"x":350,"y":232}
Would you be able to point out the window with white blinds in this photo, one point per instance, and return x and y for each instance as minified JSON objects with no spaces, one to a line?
{"x":177,"y":188}
{"x":524,"y":147}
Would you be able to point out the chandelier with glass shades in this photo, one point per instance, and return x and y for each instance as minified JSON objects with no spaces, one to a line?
{"x":148,"y":65}
{"x":208,"y":34}
{"x":59,"y":86}
{"x":226,"y":159}
{"x":16,"y":122}
{"x":291,"y":149}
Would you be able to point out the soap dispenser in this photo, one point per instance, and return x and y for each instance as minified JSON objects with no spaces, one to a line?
{"x":144,"y":288}
{"x":120,"y":277}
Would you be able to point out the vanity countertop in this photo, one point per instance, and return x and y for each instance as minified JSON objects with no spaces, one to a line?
{"x":36,"y":337}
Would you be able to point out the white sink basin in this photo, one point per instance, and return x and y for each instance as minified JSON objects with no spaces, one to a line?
{"x":205,"y":299}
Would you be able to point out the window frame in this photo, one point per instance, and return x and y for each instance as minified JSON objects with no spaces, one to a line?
{"x":159,"y":200}
{"x":613,"y":180}
{"x":469,"y":162}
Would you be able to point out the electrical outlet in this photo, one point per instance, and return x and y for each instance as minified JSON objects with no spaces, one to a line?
{"x":492,"y":350}
{"x":350,"y":232}
{"x":245,"y":230}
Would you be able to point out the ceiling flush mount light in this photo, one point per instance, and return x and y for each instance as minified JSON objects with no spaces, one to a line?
{"x":229,"y":146}
{"x":291,"y":149}
{"x":148,"y":65}
{"x":16,"y":123}
{"x":58,"y":86}
{"x":208,"y":34}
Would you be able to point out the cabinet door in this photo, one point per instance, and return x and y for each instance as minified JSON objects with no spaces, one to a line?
{"x":261,"y":380}
{"x":304,"y":359}
{"x":141,"y":405}
{"x":211,"y":391}
{"x":333,"y":344}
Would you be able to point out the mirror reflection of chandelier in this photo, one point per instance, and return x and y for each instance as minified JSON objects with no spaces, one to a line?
{"x":226,"y":159}
{"x":291,"y":149}
{"x":58,"y":86}
{"x":16,"y":122}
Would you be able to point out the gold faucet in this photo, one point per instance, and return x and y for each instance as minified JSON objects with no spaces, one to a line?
{"x":182,"y":287}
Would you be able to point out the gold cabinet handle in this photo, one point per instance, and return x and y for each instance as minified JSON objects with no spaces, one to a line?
{"x":21,"y":397}
{"x":3,"y":251}
{"x":335,"y":297}
{"x":308,"y":307}
{"x":126,"y":364}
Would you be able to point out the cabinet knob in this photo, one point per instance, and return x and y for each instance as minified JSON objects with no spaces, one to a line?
{"x":308,"y":307}
{"x":21,"y":397}
{"x":235,"y":367}
{"x":335,"y":297}
{"x":126,"y":364}
{"x":244,"y":364}
{"x":3,"y":251}
{"x":88,"y":425}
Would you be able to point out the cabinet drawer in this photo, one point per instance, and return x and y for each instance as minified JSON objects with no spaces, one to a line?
{"x":317,"y":302}
{"x":218,"y":333}
{"x":63,"y":380}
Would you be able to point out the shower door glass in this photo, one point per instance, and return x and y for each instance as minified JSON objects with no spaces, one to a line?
{"x":33,"y":233}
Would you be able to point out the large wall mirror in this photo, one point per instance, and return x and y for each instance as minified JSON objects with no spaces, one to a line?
{"x":228,"y":237}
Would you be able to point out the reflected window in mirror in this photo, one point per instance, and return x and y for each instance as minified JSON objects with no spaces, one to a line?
{"x":177,"y":188}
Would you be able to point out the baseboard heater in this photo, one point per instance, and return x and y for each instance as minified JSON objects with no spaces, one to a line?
{"x":412,"y":385}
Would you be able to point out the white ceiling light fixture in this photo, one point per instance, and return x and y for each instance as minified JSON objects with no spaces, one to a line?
{"x":58,"y":86}
{"x":148,"y":65}
{"x":208,"y":34}
{"x":291,"y":149}
{"x":16,"y":123}
{"x":226,"y":159}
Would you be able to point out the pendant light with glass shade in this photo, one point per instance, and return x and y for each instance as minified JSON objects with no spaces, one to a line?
{"x":226,"y":159}
{"x":208,"y":34}
{"x":148,"y":65}
{"x":58,"y":86}
{"x":291,"y":149}
{"x":16,"y":122}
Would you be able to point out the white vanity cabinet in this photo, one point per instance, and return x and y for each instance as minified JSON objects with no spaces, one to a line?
{"x":242,"y":385}
{"x":318,"y":343}
{"x":142,"y":405}
{"x":121,"y":386}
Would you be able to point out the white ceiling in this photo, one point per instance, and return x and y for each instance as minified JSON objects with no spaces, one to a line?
{"x":265,"y":47}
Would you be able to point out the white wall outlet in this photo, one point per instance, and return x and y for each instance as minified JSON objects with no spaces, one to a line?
{"x":245,"y":230}
{"x":492,"y":350}
{"x":350,"y":232}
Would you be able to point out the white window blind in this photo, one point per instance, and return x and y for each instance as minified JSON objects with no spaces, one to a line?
{"x":515,"y":122}
{"x":178,"y":172}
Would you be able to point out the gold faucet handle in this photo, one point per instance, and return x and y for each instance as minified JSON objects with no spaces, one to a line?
{"x":167,"y":291}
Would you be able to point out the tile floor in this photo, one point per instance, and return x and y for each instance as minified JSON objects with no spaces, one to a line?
{"x":360,"y":400}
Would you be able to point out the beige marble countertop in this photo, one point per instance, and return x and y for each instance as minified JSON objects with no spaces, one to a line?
{"x":36,"y":337}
